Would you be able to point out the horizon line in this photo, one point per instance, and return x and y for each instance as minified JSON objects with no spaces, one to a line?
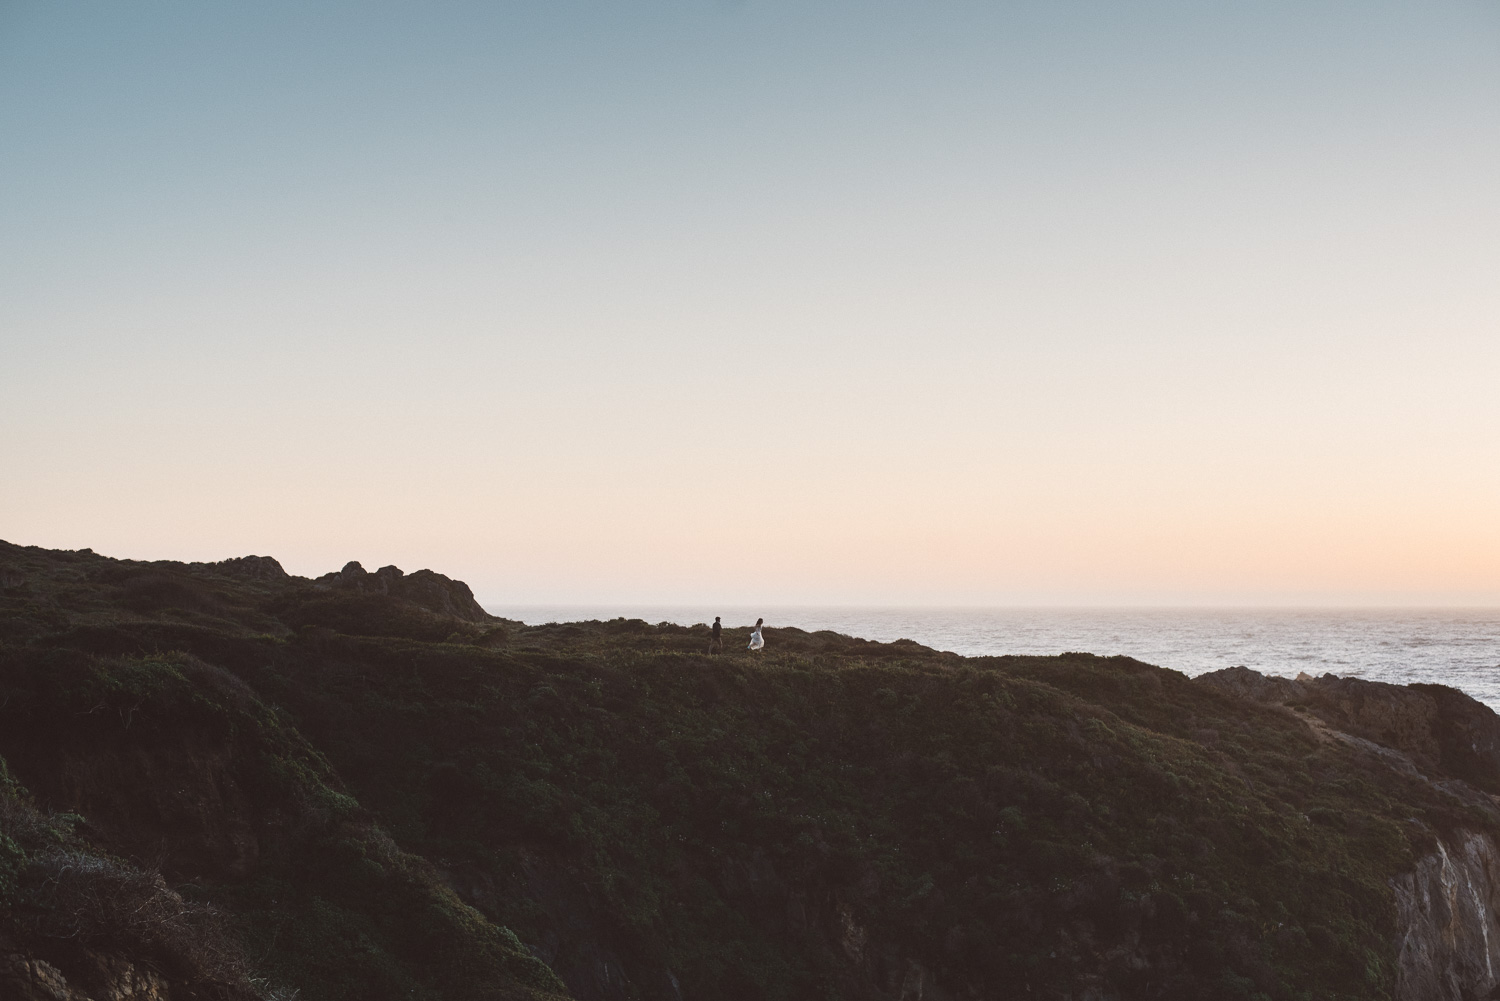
{"x":998,"y":607}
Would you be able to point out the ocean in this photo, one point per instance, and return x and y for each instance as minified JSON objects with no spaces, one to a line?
{"x":1458,"y":647}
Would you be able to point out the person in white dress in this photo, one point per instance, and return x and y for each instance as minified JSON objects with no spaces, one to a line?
{"x":756,"y":640}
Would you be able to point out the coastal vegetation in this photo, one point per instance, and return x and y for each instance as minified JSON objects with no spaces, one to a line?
{"x":246,"y":784}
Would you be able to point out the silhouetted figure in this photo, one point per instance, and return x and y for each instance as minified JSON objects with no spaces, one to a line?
{"x":716,"y":639}
{"x":756,"y":640}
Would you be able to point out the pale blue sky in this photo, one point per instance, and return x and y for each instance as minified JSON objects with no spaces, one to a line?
{"x":942,"y":302}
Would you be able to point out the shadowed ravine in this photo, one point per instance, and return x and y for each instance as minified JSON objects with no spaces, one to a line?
{"x":221,"y":781}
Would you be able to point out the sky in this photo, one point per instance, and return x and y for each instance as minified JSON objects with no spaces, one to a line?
{"x":939,"y":303}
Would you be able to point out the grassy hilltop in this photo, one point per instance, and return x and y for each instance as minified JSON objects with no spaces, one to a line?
{"x":232,"y":783}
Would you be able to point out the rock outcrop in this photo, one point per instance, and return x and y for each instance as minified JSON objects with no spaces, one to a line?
{"x":1446,"y":908}
{"x":106,"y":976}
{"x":1442,"y":730}
{"x":424,"y":588}
{"x":263,"y":568}
{"x":1448,"y":905}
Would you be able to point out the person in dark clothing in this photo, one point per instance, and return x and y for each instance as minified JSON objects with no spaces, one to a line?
{"x":716,"y":643}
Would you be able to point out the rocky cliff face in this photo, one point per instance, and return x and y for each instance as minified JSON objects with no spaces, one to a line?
{"x":1446,"y":908}
{"x":107,"y":976}
{"x":424,"y":588}
{"x":1448,"y":905}
{"x":1444,"y":732}
{"x":364,"y":789}
{"x":258,"y":568}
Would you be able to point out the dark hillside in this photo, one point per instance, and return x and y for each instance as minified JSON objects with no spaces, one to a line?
{"x":188,"y":797}
{"x":365,"y":788}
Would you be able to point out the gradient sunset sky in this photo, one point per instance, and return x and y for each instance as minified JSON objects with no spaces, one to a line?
{"x":949,"y":302}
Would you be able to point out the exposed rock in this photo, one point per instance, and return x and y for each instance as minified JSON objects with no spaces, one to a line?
{"x":24,"y":978}
{"x":252,"y":568}
{"x":118,"y":979}
{"x":1440,"y":728}
{"x":1449,"y":946}
{"x":1253,"y":684}
{"x":1448,"y":906}
{"x":108,"y":976}
{"x":424,"y":588}
{"x":1468,"y":736}
{"x":441,"y":594}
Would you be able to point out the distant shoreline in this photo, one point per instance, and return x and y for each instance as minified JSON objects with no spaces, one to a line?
{"x":1451,"y":646}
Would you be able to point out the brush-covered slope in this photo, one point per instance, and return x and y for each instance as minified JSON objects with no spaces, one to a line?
{"x":362,"y":789}
{"x":166,"y":833}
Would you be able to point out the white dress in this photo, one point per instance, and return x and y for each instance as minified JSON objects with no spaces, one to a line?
{"x":756,"y":642}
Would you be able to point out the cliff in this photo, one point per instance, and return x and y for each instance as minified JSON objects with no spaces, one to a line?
{"x":423,"y":589}
{"x":224,"y":781}
{"x":1447,"y":920}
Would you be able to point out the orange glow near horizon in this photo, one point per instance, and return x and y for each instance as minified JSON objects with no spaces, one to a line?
{"x":783,"y":303}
